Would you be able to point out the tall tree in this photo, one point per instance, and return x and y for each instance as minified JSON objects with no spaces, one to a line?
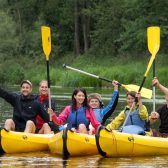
{"x":140,"y":14}
{"x":107,"y":27}
{"x":86,"y":23}
{"x":76,"y":24}
{"x":8,"y":35}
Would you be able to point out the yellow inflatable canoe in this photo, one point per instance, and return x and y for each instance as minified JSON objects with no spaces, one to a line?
{"x":69,"y":143}
{"x":117,"y":144}
{"x":20,"y":142}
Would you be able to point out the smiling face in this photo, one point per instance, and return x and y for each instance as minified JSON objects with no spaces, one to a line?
{"x":79,"y":97}
{"x":26,"y":89}
{"x":130,"y":100}
{"x":94,"y":103}
{"x":43,"y":88}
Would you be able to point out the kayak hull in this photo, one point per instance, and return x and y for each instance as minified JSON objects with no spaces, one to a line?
{"x":117,"y":144}
{"x":69,"y":143}
{"x":20,"y":142}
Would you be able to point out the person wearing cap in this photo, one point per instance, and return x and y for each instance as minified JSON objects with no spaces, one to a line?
{"x":95,"y":102}
{"x":25,"y":109}
{"x":161,"y":113}
{"x":136,"y":119}
{"x":101,"y":112}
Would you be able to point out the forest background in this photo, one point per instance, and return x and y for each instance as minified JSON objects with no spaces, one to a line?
{"x":104,"y":37}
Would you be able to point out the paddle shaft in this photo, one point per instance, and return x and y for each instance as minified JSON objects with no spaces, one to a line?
{"x":86,"y":73}
{"x":46,"y":43}
{"x":48,"y":80}
{"x":154,"y":88}
{"x":135,"y":101}
{"x":144,"y":92}
{"x":143,"y":81}
{"x":153,"y":47}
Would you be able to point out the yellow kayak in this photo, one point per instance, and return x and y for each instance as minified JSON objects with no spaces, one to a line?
{"x":117,"y":144}
{"x":18,"y":142}
{"x":69,"y":143}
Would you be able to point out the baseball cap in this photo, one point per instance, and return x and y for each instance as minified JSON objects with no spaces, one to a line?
{"x":26,"y":81}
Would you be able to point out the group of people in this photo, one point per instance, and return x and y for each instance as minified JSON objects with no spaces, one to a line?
{"x":31,"y":112}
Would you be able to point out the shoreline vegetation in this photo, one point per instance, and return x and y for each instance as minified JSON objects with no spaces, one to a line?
{"x":105,"y":38}
{"x":127,"y":70}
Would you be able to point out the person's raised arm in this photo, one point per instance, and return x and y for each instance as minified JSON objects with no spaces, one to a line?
{"x":142,"y":109}
{"x":8,"y":96}
{"x":156,"y":82}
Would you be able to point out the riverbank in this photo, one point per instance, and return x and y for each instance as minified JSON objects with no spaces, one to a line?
{"x":126,"y":70}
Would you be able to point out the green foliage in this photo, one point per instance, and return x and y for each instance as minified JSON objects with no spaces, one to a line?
{"x":139,"y":15}
{"x":60,"y":16}
{"x":116,"y":36}
{"x":108,"y":27}
{"x":9,"y":39}
{"x":11,"y":73}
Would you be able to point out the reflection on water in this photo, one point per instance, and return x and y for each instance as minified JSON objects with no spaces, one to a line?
{"x":45,"y":159}
{"x":134,"y":162}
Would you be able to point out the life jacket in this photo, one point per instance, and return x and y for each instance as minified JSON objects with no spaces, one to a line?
{"x":134,"y":118}
{"x":43,"y":99}
{"x":97,"y":113}
{"x":77,"y":117}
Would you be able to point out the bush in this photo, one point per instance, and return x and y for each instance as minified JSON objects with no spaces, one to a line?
{"x":11,"y":73}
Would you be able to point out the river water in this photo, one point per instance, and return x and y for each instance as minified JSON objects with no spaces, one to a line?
{"x":45,"y":159}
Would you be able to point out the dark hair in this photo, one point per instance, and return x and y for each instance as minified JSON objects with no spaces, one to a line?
{"x":131,"y":93}
{"x":75,"y":92}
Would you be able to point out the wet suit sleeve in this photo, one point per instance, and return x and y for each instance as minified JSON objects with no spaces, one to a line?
{"x":8,"y":96}
{"x":109,"y":109}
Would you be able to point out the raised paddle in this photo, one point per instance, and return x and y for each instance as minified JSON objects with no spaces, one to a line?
{"x":153,"y":39}
{"x":147,"y":93}
{"x":46,"y":43}
{"x":153,"y":48}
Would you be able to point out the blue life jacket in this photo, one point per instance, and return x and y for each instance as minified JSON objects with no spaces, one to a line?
{"x":98,"y":114}
{"x":134,"y":124}
{"x":134,"y":119}
{"x":77,"y":117}
{"x":102,"y":114}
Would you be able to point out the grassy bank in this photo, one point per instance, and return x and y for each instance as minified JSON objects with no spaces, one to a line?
{"x":126,"y":70}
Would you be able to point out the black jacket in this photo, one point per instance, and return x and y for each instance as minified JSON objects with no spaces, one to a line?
{"x":163,"y":112}
{"x":45,"y":103}
{"x":24,"y":108}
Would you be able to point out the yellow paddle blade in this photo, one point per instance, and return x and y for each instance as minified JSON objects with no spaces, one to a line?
{"x":153,"y":34}
{"x":150,"y":64}
{"x":46,"y":40}
{"x":147,"y":93}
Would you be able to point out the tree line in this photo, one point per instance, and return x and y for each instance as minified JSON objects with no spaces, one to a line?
{"x":100,"y":27}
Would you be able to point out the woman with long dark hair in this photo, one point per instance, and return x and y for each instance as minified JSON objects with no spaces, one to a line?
{"x":78,"y":116}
